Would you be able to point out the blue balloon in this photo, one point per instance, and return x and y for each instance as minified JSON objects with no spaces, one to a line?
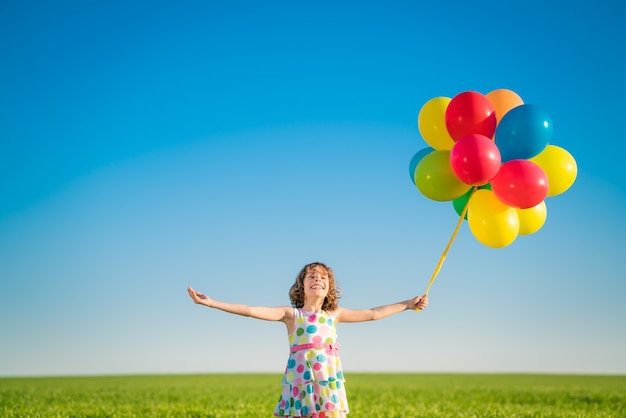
{"x":416,"y":159}
{"x":523,"y":132}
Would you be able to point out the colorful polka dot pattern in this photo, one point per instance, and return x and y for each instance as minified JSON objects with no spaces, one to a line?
{"x":313,"y":384}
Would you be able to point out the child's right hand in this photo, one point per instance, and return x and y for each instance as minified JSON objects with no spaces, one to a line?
{"x":198,"y":297}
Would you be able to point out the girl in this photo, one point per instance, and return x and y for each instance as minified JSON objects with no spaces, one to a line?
{"x":313,"y":383}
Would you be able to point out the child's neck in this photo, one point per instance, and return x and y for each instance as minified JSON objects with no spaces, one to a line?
{"x":313,"y":305}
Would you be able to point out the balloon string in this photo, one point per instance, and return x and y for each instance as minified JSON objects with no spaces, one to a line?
{"x":445,"y":251}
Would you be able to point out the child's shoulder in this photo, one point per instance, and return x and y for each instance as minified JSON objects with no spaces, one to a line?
{"x":333,"y":313}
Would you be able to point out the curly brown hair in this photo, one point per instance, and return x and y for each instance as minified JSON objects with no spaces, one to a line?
{"x":296,"y":293}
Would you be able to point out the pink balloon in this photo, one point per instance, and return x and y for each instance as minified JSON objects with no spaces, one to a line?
{"x":521,"y":184}
{"x":475,"y":159}
{"x":470,"y":113}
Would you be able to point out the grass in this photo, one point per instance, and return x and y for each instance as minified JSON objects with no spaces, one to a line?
{"x":369,"y":395}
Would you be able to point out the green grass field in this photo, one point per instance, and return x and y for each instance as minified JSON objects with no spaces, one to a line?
{"x":369,"y":395}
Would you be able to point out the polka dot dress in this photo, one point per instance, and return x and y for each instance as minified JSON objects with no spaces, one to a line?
{"x":313,"y":384}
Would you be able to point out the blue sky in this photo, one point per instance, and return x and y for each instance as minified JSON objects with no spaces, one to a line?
{"x":149,"y":146}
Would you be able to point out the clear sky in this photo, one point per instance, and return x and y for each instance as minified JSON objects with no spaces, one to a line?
{"x":149,"y":146}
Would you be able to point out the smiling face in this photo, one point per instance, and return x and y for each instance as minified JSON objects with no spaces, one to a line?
{"x":316,"y":283}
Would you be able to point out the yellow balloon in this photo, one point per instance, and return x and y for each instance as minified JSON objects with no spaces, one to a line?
{"x":532,"y":219}
{"x":493,"y":223}
{"x":559,"y":166}
{"x":431,"y":122}
{"x":503,"y":100}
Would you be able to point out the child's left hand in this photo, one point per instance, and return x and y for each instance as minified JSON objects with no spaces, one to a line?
{"x":420,"y":302}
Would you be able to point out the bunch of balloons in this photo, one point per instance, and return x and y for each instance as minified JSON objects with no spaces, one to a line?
{"x":490,"y":154}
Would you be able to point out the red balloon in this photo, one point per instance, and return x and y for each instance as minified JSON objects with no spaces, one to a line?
{"x":520,"y":184}
{"x":475,"y":159}
{"x":470,"y":113}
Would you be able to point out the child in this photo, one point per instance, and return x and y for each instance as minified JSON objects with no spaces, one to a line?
{"x":313,"y":384}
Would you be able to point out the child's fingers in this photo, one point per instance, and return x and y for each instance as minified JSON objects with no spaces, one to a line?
{"x":194,"y":295}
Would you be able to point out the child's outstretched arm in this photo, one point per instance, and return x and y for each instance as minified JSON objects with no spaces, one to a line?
{"x":260,"y":312}
{"x":380,"y":312}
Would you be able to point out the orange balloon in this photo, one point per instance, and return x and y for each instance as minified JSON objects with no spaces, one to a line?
{"x":503,"y":100}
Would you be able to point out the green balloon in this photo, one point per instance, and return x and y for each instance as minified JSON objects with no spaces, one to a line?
{"x":460,"y":202}
{"x":415,"y":161}
{"x":436,"y":180}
